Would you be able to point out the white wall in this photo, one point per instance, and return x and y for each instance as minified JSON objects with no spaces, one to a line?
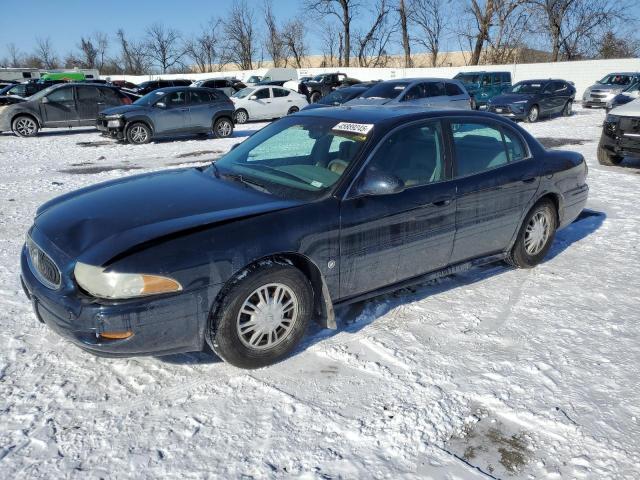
{"x":581,"y":73}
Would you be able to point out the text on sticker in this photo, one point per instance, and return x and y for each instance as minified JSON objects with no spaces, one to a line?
{"x":362,"y":128}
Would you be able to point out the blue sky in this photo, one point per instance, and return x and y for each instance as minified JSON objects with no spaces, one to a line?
{"x":64,"y":21}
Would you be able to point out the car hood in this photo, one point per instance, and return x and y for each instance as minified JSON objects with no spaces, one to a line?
{"x":509,"y":98}
{"x":608,"y":88}
{"x":11,"y":99}
{"x":97,"y":223}
{"x":122,"y":109}
{"x":631,"y":109}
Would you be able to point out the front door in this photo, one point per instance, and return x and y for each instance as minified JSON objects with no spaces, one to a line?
{"x":389,"y":238}
{"x":262,"y":106}
{"x":59,"y":110}
{"x":173,"y":113}
{"x":495,"y":178}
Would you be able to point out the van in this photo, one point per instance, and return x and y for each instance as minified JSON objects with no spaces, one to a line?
{"x":483,"y":86}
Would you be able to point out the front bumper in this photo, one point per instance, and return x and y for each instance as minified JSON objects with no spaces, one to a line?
{"x":507,"y":111}
{"x":620,"y":141}
{"x":161,"y":325}
{"x":111,"y":128}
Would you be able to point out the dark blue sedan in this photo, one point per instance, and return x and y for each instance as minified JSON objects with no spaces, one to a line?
{"x":533,"y":99}
{"x":317,"y":209}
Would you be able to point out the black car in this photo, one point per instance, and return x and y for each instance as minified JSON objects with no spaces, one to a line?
{"x":317,"y":209}
{"x":532,"y":99}
{"x":64,"y":105}
{"x":340,"y":96}
{"x":170,"y":111}
{"x":151,"y":85}
{"x":620,"y":134}
{"x":22,"y":90}
{"x":275,"y":83}
{"x":325,"y":83}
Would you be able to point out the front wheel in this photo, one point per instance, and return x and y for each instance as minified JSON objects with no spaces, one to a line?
{"x":293,"y":110}
{"x":262,"y":316}
{"x":536,"y":236}
{"x":25,"y":126}
{"x":138,"y":133}
{"x":222,"y":128}
{"x":242,"y":116}
{"x":533,"y":114}
{"x":568,"y":109}
{"x":315,"y":96}
{"x":607,"y":158}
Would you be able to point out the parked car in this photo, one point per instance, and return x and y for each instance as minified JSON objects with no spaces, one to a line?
{"x":277,"y":83}
{"x":532,"y":99}
{"x":23,"y":90}
{"x":325,"y":83}
{"x":151,"y":85}
{"x":224,"y":85}
{"x":170,"y":111}
{"x":124,"y":84}
{"x":629,"y":94}
{"x":483,"y":86}
{"x":620,"y":134}
{"x":420,"y":92}
{"x":598,"y":94}
{"x":259,"y":103}
{"x":349,"y":203}
{"x":64,"y":105}
{"x":295,"y":84}
{"x":341,"y":96}
{"x":252,"y":80}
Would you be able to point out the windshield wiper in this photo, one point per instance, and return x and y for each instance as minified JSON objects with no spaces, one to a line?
{"x":250,"y":183}
{"x":288,"y":175}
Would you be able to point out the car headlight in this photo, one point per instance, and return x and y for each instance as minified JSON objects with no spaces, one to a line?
{"x":115,"y":285}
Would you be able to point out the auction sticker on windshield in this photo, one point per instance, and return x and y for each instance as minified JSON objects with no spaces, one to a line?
{"x":361,"y":128}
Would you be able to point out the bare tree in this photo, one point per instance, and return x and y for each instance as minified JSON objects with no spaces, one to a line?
{"x":274,"y":43}
{"x":430,"y":19}
{"x":164,"y":46}
{"x":344,"y":10}
{"x":293,"y":38}
{"x":240,"y":33}
{"x":45,"y":54}
{"x":510,"y":26}
{"x":15,"y":56}
{"x":134,"y":58}
{"x":614,"y":46}
{"x":331,"y":45}
{"x":205,"y":49}
{"x":404,"y":29}
{"x":572,"y":26}
{"x":92,"y":51}
{"x":372,"y":44}
{"x":482,"y":14}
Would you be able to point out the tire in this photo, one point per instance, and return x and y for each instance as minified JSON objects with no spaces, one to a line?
{"x":25,"y":126}
{"x":242,"y":116}
{"x":234,"y":334}
{"x":222,"y":128}
{"x":315,"y":96}
{"x":293,"y":110}
{"x":138,"y":133}
{"x":609,"y":159}
{"x":533,"y":244}
{"x":567,"y":111}
{"x":533,"y":114}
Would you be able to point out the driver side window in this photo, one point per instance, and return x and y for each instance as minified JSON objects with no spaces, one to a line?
{"x":61,"y":95}
{"x":414,"y":154}
{"x":262,"y":94}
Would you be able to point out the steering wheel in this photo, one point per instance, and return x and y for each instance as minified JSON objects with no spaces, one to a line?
{"x":337,"y":166}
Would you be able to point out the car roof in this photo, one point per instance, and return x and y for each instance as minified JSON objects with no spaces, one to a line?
{"x":624,"y":73}
{"x":466,"y":72}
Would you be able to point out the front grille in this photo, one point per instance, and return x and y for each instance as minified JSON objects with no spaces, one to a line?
{"x":42,"y":266}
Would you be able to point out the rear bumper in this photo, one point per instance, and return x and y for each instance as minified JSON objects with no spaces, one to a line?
{"x":574,"y":202}
{"x":160,"y":326}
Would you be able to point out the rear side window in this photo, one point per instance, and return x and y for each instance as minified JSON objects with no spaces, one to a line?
{"x":88,"y":94}
{"x":198,"y":97}
{"x":478,"y":147}
{"x":175,"y":99}
{"x":280,"y":92}
{"x":453,"y":89}
{"x":110,"y":96}
{"x":413,"y":154}
{"x":434,"y":89}
{"x":560,"y":87}
{"x":506,"y":77}
{"x":262,"y":93}
{"x":515,"y":147}
{"x":495,"y":78}
{"x":414,"y":93}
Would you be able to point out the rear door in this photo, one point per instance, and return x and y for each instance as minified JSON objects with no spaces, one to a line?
{"x":548,"y":101}
{"x":562,"y":94}
{"x":282,"y":102}
{"x":87,"y":99}
{"x":60,"y":109}
{"x":495,"y":178}
{"x":389,"y":238}
{"x":201,"y":110}
{"x":262,"y":106}
{"x":435,"y":95}
{"x":456,"y":97}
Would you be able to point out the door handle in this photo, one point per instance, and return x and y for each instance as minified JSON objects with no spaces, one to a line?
{"x":528,"y":180}
{"x":443,"y":202}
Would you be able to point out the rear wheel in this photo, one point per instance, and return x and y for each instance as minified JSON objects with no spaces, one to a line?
{"x":242,"y":116}
{"x":533,"y":114}
{"x":536,"y":236}
{"x":138,"y":133}
{"x":222,"y":128}
{"x":607,"y":158}
{"x":25,"y":126}
{"x":315,"y":96}
{"x":568,"y":109}
{"x":293,"y":110}
{"x":262,"y":316}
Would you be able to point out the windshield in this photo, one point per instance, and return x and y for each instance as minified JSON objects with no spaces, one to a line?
{"x":4,"y":90}
{"x":385,"y":90}
{"x":253,"y":79}
{"x":615,"y":79}
{"x":320,"y":78}
{"x":340,"y":96}
{"x":245,"y":92}
{"x":42,"y":93}
{"x":469,"y":77}
{"x":295,"y":157}
{"x":527,"y":87}
{"x":149,"y":98}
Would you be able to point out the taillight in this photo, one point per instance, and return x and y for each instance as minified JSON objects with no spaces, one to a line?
{"x":126,"y":100}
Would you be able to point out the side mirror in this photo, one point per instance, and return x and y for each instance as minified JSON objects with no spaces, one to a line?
{"x":379,"y":183}
{"x":44,"y":100}
{"x":161,"y":105}
{"x":253,"y":97}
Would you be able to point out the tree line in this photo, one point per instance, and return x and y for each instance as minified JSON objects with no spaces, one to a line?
{"x":491,"y":31}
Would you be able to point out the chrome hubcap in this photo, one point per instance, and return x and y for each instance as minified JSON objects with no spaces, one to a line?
{"x":267,"y":316}
{"x":25,"y":126}
{"x":138,"y":134}
{"x":533,"y":114}
{"x":224,"y":129}
{"x":537,"y":232}
{"x":241,"y":117}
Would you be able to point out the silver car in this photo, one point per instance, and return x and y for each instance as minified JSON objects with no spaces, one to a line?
{"x":441,"y":93}
{"x":603,"y":91}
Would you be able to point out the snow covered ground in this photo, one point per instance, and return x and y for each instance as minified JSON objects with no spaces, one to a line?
{"x":495,"y":373}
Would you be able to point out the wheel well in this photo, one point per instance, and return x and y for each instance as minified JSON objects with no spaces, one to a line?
{"x":30,"y":115}
{"x":223,"y":116}
{"x":555,"y":199}
{"x":138,"y":120}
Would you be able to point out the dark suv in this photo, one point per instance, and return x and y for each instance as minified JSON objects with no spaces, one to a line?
{"x":170,"y":111}
{"x":151,"y":85}
{"x":325,"y":83}
{"x":64,"y":105}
